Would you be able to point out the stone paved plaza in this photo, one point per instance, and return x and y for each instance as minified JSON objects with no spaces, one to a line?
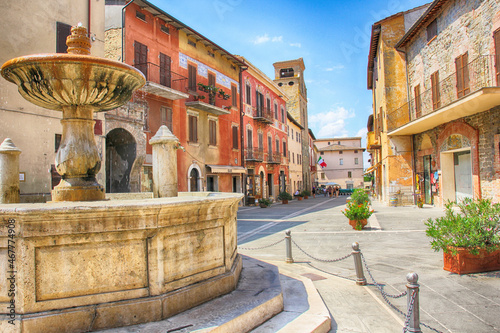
{"x":393,"y":244}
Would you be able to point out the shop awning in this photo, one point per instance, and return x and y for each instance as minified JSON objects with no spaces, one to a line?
{"x":372,"y":168}
{"x":226,"y":169}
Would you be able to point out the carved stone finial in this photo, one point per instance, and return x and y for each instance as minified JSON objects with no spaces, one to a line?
{"x":78,"y":42}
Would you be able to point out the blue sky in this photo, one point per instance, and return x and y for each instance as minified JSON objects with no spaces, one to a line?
{"x":332,"y":37}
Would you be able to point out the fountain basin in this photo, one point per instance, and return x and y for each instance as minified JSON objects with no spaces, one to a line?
{"x":84,"y":266}
{"x":54,"y":81}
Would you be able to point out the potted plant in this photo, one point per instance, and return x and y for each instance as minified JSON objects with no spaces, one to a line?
{"x":469,"y":237}
{"x":357,"y":214}
{"x":264,"y":203}
{"x":306,"y":194}
{"x":299,"y":196}
{"x":359,"y":196}
{"x":284,"y":197}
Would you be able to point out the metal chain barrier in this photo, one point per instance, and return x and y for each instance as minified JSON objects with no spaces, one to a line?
{"x":318,"y":259}
{"x":410,"y":310}
{"x":431,"y":328}
{"x":379,"y":286}
{"x":262,"y":247}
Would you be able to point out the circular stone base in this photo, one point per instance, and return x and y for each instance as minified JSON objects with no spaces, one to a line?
{"x":78,"y":193}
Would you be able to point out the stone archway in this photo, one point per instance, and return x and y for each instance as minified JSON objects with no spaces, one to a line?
{"x":121,"y":150}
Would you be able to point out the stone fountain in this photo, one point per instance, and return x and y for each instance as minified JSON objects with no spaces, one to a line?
{"x":81,"y":263}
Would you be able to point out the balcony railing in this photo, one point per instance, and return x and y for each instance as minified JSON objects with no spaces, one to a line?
{"x":254,"y":154}
{"x":162,"y":76}
{"x":481,"y":74}
{"x":263,"y":114}
{"x":274,"y":158}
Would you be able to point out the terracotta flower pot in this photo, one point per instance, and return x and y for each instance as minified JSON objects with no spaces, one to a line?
{"x":353,"y":223}
{"x":284,"y":202}
{"x":299,"y":198}
{"x":464,"y":262}
{"x":306,"y":197}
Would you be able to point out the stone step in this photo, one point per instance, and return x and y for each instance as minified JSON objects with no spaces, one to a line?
{"x":264,"y":301}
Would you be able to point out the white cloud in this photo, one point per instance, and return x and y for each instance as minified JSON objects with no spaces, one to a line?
{"x":331,"y":123}
{"x":261,"y":39}
{"x":334,"y":68}
{"x":296,"y":45}
{"x":265,"y":38}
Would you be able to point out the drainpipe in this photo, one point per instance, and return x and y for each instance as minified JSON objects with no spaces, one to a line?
{"x":123,"y":29}
{"x":242,"y":132}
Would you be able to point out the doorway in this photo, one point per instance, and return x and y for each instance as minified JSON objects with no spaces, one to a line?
{"x":120,"y":157}
{"x":269,"y":185}
{"x":463,"y":175}
{"x":427,"y":180}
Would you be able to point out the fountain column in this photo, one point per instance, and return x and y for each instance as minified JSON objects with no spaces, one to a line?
{"x":9,"y":172}
{"x":164,"y":145}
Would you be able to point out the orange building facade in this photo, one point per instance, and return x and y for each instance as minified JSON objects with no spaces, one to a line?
{"x":265,"y":135}
{"x":192,"y":88}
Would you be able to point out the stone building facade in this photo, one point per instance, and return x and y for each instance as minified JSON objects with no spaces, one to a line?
{"x":451,"y":114}
{"x":295,"y":155}
{"x":391,"y":157}
{"x":31,"y":27}
{"x":289,"y":75}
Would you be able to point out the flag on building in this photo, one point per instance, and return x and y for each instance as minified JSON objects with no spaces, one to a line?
{"x":321,"y":162}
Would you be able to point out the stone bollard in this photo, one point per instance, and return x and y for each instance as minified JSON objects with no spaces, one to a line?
{"x":358,"y":265}
{"x":164,"y":145}
{"x":288,"y":241}
{"x":9,"y":172}
{"x":412,"y":289}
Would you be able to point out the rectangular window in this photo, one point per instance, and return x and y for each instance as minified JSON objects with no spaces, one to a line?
{"x":234,"y":96}
{"x":268,"y":105}
{"x":140,"y":16}
{"x":282,"y":115}
{"x":341,"y":161}
{"x":261,"y":141}
{"x":436,"y":96}
{"x":356,"y":161}
{"x":418,"y":101}
{"x":192,"y":43}
{"x":355,"y":152}
{"x":164,"y":29}
{"x":286,"y":72}
{"x":211,"y":79}
{"x":284,"y":149}
{"x":270,"y":145}
{"x":235,"y":137}
{"x":212,"y":129}
{"x":193,"y":128}
{"x":248,"y":93}
{"x":432,"y":30}
{"x":165,"y":73}
{"x":141,"y":58}
{"x":63,"y":31}
{"x":277,"y":145}
{"x":496,"y":39}
{"x":322,"y":153}
{"x":249,"y":138}
{"x":293,"y":157}
{"x":461,"y":65}
{"x":322,"y":176}
{"x":349,"y":174}
{"x":191,"y":78}
{"x":276,"y":111}
{"x":166,"y":117}
{"x":341,"y":152}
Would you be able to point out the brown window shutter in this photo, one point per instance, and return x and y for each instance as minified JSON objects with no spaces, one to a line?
{"x":465,"y":63}
{"x":211,"y":79}
{"x":191,"y":78}
{"x":63,"y":31}
{"x":234,"y":96}
{"x":235,"y":137}
{"x":496,"y":39}
{"x":418,"y":101}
